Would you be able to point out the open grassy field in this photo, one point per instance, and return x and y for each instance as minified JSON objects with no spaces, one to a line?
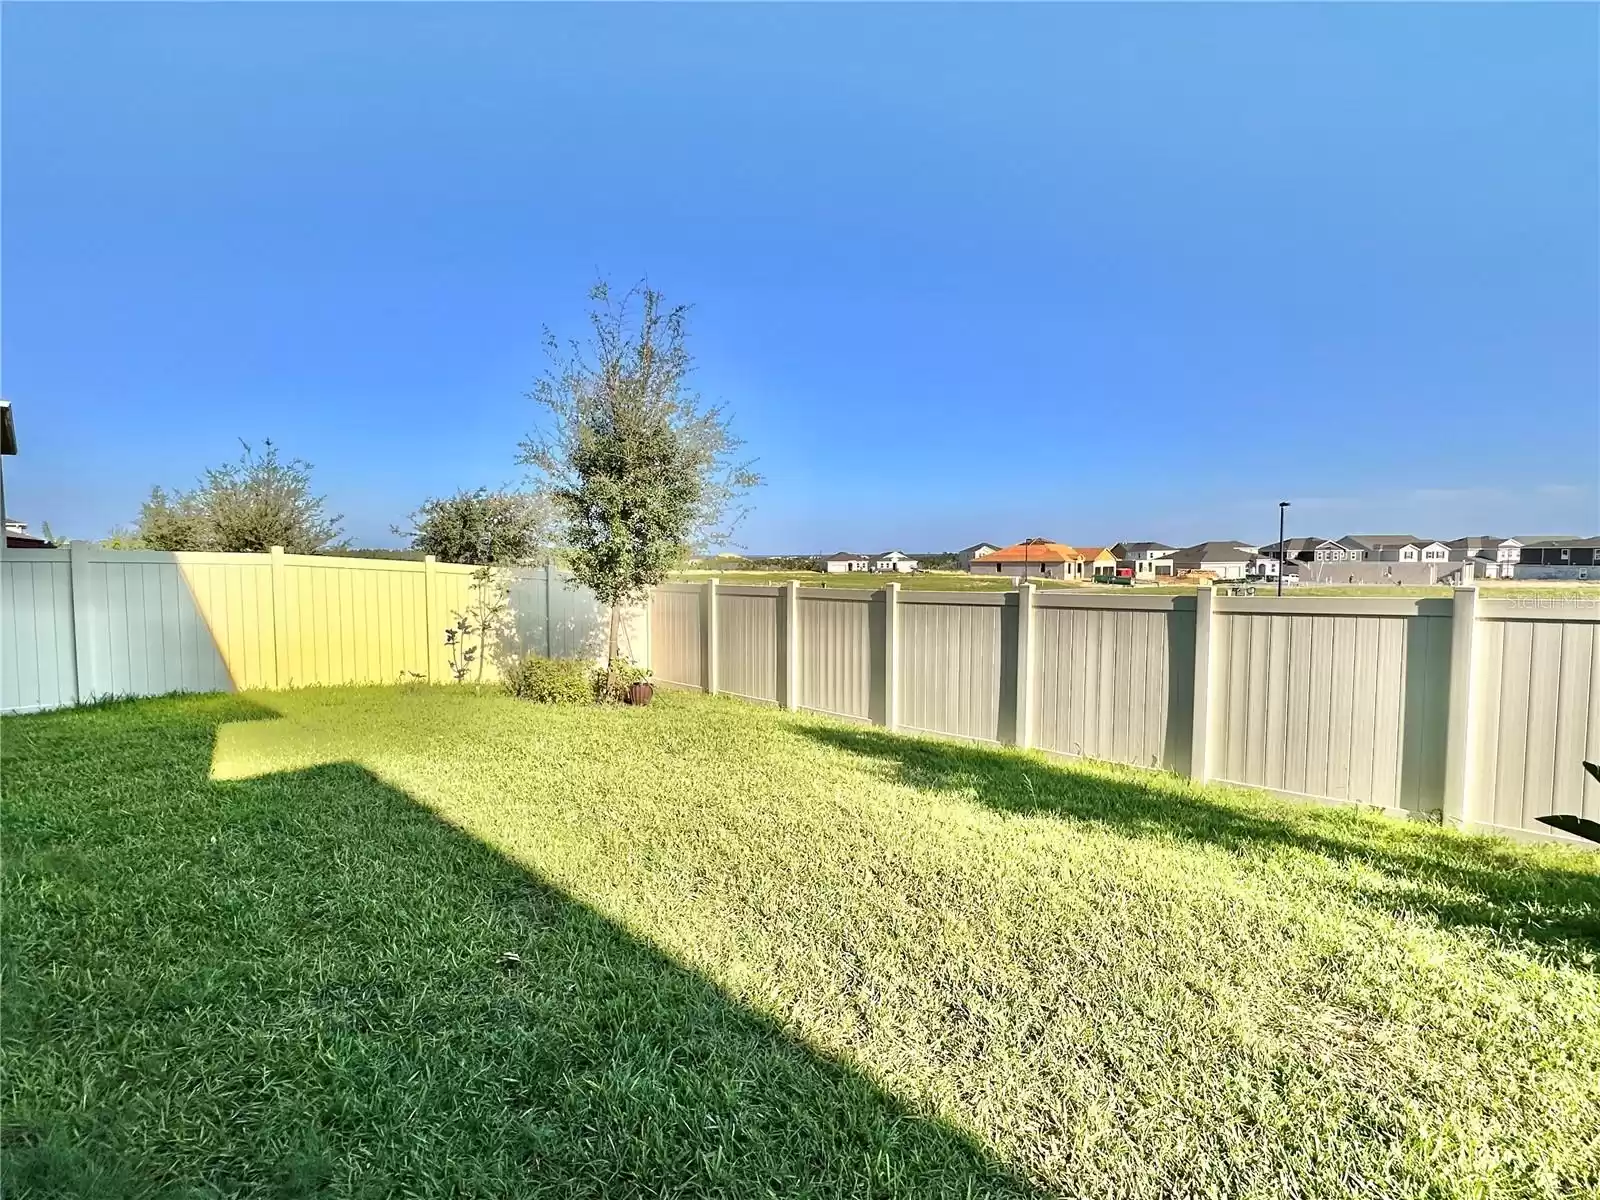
{"x":922,"y":581}
{"x":254,"y":947}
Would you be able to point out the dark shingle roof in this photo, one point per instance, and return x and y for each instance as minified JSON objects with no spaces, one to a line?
{"x":1564,"y":543}
{"x":1214,"y":551}
{"x":1294,"y":545}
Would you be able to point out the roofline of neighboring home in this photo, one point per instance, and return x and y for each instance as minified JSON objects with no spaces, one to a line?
{"x":846,"y":556}
{"x":1034,"y":552}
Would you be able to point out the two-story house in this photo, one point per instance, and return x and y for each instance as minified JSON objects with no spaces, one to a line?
{"x":1399,"y":547}
{"x":1144,"y":559}
{"x":966,"y":557}
{"x":1339,"y":550}
{"x":1295,"y":549}
{"x":1560,"y":558}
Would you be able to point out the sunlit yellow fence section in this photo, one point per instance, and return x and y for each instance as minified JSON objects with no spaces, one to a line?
{"x":81,"y":623}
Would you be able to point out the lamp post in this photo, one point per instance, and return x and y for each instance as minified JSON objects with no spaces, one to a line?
{"x":1282,"y":506}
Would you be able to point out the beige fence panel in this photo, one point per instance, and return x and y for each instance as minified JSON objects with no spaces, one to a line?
{"x":1113,"y":678}
{"x":953,"y":669}
{"x":366,"y":623}
{"x":1482,"y":710}
{"x":85,"y":622}
{"x":1314,"y":697}
{"x":37,"y":667}
{"x":748,"y":642}
{"x":841,"y":652}
{"x":677,"y":634}
{"x":1536,"y":712}
{"x":554,"y":616}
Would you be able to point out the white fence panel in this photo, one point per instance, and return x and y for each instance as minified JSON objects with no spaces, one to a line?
{"x":37,"y":665}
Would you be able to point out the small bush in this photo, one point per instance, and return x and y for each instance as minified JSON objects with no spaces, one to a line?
{"x":551,"y":681}
{"x":626,"y":675}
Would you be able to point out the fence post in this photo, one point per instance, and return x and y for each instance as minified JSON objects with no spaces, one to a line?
{"x":1022,"y":699}
{"x":433,"y":634}
{"x":280,"y":619}
{"x":891,"y":656}
{"x":791,"y":645}
{"x":1458,"y":806}
{"x":82,"y":650}
{"x":549,"y":613}
{"x":1200,"y":747}
{"x":711,"y":637}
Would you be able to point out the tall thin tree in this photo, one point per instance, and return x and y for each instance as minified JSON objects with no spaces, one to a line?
{"x":641,"y":472}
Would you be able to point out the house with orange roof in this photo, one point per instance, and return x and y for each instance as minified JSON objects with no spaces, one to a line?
{"x":1098,"y":561}
{"x":1033,"y":558}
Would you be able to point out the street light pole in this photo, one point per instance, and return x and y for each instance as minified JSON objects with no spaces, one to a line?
{"x":1282,"y":506}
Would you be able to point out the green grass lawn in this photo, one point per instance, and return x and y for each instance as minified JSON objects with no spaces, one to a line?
{"x":252,"y":947}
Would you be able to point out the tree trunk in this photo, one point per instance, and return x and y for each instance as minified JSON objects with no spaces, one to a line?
{"x":611,"y":655}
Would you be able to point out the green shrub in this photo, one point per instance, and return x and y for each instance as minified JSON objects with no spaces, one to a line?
{"x":625,"y":675}
{"x":551,"y":681}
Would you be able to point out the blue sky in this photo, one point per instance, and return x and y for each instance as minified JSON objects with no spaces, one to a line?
{"x":1086,"y":271}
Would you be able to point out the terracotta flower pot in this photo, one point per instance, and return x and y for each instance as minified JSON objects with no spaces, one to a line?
{"x":641,"y":693}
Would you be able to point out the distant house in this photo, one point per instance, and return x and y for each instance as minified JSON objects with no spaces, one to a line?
{"x":1345,"y":549}
{"x":965,"y":558}
{"x":18,"y":538}
{"x":1144,"y":559}
{"x":1399,"y":547}
{"x":894,"y":560}
{"x":1296,"y":549}
{"x":1035,"y":557}
{"x":1485,"y":546}
{"x":1098,"y":561}
{"x":1560,"y":558}
{"x":1267,"y":566}
{"x":1224,"y":560}
{"x":1494,"y":557}
{"x":844,"y":561}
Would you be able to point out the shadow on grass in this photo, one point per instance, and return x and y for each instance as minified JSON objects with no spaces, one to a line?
{"x":1551,"y":910}
{"x":291,"y":985}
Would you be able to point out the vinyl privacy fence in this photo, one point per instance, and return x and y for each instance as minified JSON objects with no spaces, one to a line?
{"x":1478,"y":710}
{"x":81,"y":623}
